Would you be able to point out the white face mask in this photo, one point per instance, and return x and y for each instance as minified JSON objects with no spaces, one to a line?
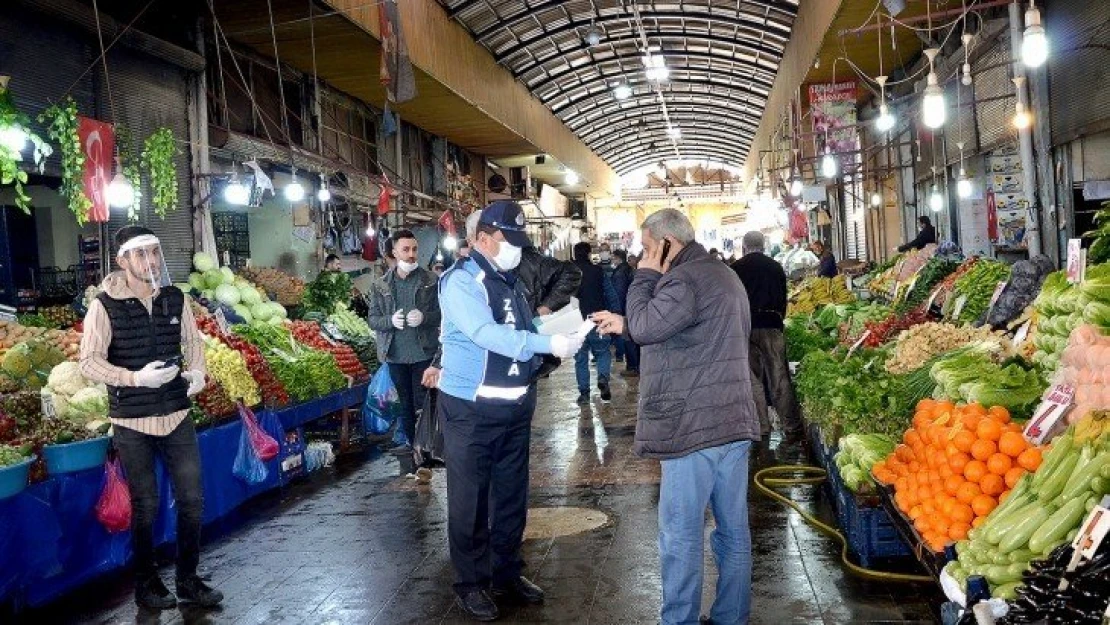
{"x":606,"y":257}
{"x":406,"y":267}
{"x":508,"y":256}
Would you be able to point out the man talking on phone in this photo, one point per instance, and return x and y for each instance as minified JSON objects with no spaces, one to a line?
{"x":142,"y":342}
{"x":689,"y":313}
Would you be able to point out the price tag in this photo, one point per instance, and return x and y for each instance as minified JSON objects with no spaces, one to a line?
{"x":997,"y":293}
{"x":1077,"y":261}
{"x":1022,"y":332}
{"x":48,"y":408}
{"x":331,"y":331}
{"x":932,"y":298}
{"x":1050,"y":414}
{"x":961,"y":301}
{"x":221,"y":320}
{"x":859,"y":342}
{"x":1094,"y":529}
{"x":848,"y":281}
{"x":7,"y":313}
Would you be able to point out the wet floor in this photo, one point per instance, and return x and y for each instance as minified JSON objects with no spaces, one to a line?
{"x":360,"y":544}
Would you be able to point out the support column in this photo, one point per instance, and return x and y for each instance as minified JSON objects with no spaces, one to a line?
{"x":1025,"y":139}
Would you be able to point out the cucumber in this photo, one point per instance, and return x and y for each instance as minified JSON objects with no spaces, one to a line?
{"x":1022,"y":555}
{"x":1001,"y":574}
{"x":1100,"y":485}
{"x":1000,"y":558}
{"x":1006,"y":592}
{"x":999,"y":527}
{"x":1061,"y":449}
{"x":1054,"y":484}
{"x":1080,"y":480}
{"x":1021,"y":532}
{"x":1056,"y":527}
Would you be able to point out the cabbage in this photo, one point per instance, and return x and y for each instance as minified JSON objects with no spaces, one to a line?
{"x":208,"y":294}
{"x":276,"y":321}
{"x":279,"y":310}
{"x":243,"y":312}
{"x":203,"y":262}
{"x":227,"y":294}
{"x":213,"y":278}
{"x":229,"y":276}
{"x":1097,"y":313}
{"x":1096,"y":288}
{"x":249,"y":295}
{"x":262,"y":312}
{"x":88,"y":403}
{"x":196,"y":281}
{"x":184,"y":287}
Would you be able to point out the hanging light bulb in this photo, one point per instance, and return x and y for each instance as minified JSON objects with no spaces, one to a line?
{"x":593,"y":35}
{"x":120,"y":192}
{"x":876,"y":199}
{"x":885,"y":121}
{"x":936,"y":200}
{"x":15,"y":139}
{"x":450,"y":243}
{"x":370,"y":230}
{"x":963,"y":185}
{"x":294,"y":191}
{"x":796,"y":186}
{"x":828,"y":165}
{"x":674,"y":132}
{"x":655,"y":67}
{"x":934,"y":109}
{"x":235,"y":192}
{"x":966,"y":69}
{"x":1022,"y":118}
{"x":324,"y":193}
{"x":622,"y":91}
{"x":572,"y":177}
{"x":1034,"y":42}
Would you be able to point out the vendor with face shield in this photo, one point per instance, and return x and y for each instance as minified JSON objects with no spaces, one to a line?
{"x":141,"y":340}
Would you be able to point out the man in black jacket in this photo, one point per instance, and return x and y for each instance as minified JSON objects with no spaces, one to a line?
{"x":622,"y":279}
{"x":926,"y":235}
{"x":765,"y":282}
{"x":591,"y":299}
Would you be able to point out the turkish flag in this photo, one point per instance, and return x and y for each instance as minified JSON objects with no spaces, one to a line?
{"x":992,"y":216}
{"x":383,"y":200}
{"x":447,"y":222}
{"x":98,"y":142}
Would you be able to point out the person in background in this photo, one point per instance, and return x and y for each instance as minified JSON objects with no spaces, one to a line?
{"x":689,"y":313}
{"x":136,"y":331}
{"x":925,"y":236}
{"x":612,"y":297}
{"x":765,"y":283}
{"x":332,"y":263}
{"x":827,"y":266}
{"x":487,"y":400}
{"x":405,"y":315}
{"x":437,"y":268}
{"x":622,"y":279}
{"x":591,"y":299}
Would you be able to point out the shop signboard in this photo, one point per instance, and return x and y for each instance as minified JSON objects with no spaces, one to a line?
{"x":1077,"y":261}
{"x":98,"y":142}
{"x":834,"y":113}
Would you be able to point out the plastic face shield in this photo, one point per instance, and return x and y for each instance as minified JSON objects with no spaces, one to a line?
{"x":144,"y":260}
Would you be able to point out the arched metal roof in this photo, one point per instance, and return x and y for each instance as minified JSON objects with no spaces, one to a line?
{"x":723,"y":56}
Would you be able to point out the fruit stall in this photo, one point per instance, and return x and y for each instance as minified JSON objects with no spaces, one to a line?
{"x":965,"y":410}
{"x":55,"y":433}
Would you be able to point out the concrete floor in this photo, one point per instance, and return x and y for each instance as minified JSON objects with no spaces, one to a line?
{"x":359,"y":544}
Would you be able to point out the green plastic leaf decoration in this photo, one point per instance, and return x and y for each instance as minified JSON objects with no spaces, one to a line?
{"x":159,"y":150}
{"x":10,"y":170}
{"x":61,"y":126}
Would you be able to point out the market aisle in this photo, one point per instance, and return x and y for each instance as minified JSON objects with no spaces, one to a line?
{"x":361,"y":545}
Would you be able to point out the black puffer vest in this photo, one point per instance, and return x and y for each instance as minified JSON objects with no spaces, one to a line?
{"x":138,"y":339}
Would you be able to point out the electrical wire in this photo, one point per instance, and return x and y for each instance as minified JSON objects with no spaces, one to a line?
{"x":104,"y":50}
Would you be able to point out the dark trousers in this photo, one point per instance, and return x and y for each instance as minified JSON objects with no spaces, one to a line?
{"x":771,"y":380}
{"x":487,"y":488}
{"x":620,"y":349}
{"x":631,"y":354}
{"x":407,"y":379}
{"x":181,"y":456}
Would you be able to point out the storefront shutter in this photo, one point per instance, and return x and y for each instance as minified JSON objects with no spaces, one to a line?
{"x":994,"y":95}
{"x":1078,"y":72}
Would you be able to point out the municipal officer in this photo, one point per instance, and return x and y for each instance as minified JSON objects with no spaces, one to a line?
{"x":487,"y":398}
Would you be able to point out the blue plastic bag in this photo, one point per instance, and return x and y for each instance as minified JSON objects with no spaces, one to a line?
{"x":248,"y":466}
{"x":379,"y":411}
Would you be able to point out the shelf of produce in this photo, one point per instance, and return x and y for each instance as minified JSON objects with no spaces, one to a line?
{"x":931,"y":560}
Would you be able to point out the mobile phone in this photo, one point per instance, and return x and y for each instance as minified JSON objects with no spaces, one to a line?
{"x":176,"y":361}
{"x":666,"y":250}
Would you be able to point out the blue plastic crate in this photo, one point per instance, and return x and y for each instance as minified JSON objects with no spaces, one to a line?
{"x":13,"y":478}
{"x":74,"y":457}
{"x":869,"y":530}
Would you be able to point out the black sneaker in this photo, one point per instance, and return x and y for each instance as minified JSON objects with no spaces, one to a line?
{"x":478,"y":605}
{"x":401,"y":450}
{"x":194,"y":590}
{"x":630,"y":373}
{"x":520,"y":590}
{"x":152,"y":594}
{"x":583,"y":399}
{"x":606,"y":394}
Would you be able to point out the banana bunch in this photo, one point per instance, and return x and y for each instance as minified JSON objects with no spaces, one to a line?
{"x":814,"y":293}
{"x":1092,"y":426}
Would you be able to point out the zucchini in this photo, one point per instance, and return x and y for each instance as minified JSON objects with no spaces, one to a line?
{"x":1056,"y":527}
{"x":1019,"y":535}
{"x":1080,"y":480}
{"x":1101,"y":485}
{"x":1022,"y":555}
{"x":1000,"y":526}
{"x":1006,"y":592}
{"x":1001,"y":574}
{"x":1061,"y":449}
{"x":1000,"y":558}
{"x":1054,"y":484}
{"x":1105,"y":473}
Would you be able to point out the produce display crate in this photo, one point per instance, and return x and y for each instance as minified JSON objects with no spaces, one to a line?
{"x":292,"y":454}
{"x":866,"y":525}
{"x":931,"y":560}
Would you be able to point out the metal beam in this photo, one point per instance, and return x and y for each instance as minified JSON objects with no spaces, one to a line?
{"x":611,"y":153}
{"x":633,"y":161}
{"x":655,"y":121}
{"x":712,"y":158}
{"x":708,"y":109}
{"x":698,"y":137}
{"x":593,"y":98}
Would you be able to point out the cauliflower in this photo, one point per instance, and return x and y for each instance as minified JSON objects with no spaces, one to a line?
{"x":88,"y":404}
{"x":66,"y":379}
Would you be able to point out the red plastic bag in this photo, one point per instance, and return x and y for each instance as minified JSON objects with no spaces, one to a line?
{"x":113,"y":509}
{"x":264,"y":444}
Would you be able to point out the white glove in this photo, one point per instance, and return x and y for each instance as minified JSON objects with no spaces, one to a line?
{"x":154,"y":375}
{"x":566,"y":345}
{"x":399,"y":320}
{"x":196,"y":381}
{"x":415,"y":318}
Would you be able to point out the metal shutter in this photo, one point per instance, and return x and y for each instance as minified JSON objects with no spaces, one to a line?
{"x":994,"y":94}
{"x":1078,"y":67}
{"x":150,"y":94}
{"x":961,"y":128}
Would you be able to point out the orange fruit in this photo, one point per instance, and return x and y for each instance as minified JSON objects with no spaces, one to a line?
{"x":979,"y":520}
{"x":982,"y":505}
{"x":999,"y":414}
{"x":963,"y":440}
{"x":967,"y":492}
{"x":1012,"y":444}
{"x":971,"y":421}
{"x":925,"y":404}
{"x":999,"y":464}
{"x":975,"y":408}
{"x":1013,"y":475}
{"x":946,"y":471}
{"x":958,"y":461}
{"x":914,"y":513}
{"x":975,"y":470}
{"x":922,"y":524}
{"x":912,"y":438}
{"x":952,"y":484}
{"x":989,"y":429}
{"x":992,"y":484}
{"x":958,"y":531}
{"x":983,"y":449}
{"x":1030,"y":459}
{"x":1004,"y":496}
{"x":962,"y":513}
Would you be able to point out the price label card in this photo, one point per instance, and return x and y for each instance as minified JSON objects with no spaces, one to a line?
{"x":221,"y":320}
{"x":1077,"y":261}
{"x":7,"y":313}
{"x":997,"y":293}
{"x":1022,"y":332}
{"x":932,"y":298}
{"x":331,"y":331}
{"x":49,"y":410}
{"x":848,"y":281}
{"x":961,"y":301}
{"x":1048,"y":418}
{"x":859,"y":342}
{"x":1093,"y":530}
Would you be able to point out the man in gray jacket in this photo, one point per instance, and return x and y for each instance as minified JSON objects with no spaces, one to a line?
{"x":689,"y":313}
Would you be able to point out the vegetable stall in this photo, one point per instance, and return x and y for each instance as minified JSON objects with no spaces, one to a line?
{"x":927,"y":407}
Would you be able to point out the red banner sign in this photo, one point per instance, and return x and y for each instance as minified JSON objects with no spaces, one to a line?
{"x":992,"y":216}
{"x":98,"y":141}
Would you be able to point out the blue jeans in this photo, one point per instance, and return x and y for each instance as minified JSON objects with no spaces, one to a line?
{"x":619,"y":347}
{"x":717,"y":476}
{"x":599,"y":346}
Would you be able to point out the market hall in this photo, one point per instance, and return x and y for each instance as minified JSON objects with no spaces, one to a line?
{"x":452,"y":311}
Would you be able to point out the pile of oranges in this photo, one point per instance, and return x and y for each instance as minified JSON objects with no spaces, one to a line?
{"x":954,"y":466}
